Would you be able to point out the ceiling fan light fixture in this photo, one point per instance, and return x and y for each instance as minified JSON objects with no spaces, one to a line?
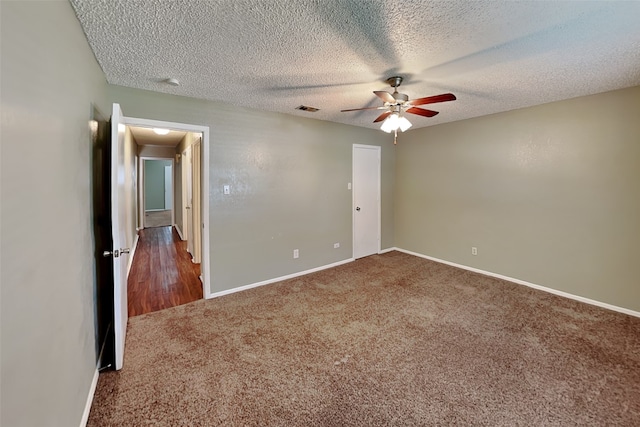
{"x":395,"y":122}
{"x":390,"y":123}
{"x":404,"y":123}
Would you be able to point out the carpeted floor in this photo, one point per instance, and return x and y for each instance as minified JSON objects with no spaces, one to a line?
{"x":157,"y":218}
{"x":388,"y":340}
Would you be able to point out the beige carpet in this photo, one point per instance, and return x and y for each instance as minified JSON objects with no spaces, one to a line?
{"x":157,"y":218}
{"x":389,"y":340}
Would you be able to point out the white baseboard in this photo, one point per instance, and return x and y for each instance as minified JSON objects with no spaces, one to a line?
{"x":278,"y":279}
{"x":178,"y":231}
{"x":531,"y":285}
{"x":87,"y":406}
{"x":132,"y":252}
{"x":384,"y":251}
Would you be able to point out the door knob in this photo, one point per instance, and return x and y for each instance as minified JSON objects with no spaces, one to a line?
{"x":115,"y":253}
{"x":358,"y":208}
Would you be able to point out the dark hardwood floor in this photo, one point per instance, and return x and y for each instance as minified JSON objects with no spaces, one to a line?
{"x":162,"y":274}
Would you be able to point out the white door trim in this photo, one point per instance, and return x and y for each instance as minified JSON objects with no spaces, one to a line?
{"x":141,"y":201}
{"x":168,"y":192}
{"x":353,"y":195}
{"x":204,"y":130}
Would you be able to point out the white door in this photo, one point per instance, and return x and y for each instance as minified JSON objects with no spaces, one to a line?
{"x":168,"y":188}
{"x":366,"y":200}
{"x":196,"y":196}
{"x":118,"y":224}
{"x":188,"y":166}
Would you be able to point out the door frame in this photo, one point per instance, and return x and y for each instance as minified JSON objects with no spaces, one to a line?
{"x":170,"y":190}
{"x":142,"y":208}
{"x":205,"y":270}
{"x":353,"y":195}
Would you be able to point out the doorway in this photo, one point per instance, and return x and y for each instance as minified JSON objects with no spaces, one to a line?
{"x":163,"y":189}
{"x":125,"y":212}
{"x":157,"y":195}
{"x":194,"y":138}
{"x":366,"y":200}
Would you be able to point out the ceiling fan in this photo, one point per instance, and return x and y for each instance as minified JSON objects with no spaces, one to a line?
{"x":397,"y":104}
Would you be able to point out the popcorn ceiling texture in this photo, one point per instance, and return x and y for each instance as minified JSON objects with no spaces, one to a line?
{"x":331,"y":54}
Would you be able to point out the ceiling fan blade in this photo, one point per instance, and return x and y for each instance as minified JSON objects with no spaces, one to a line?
{"x":433,"y":99}
{"x":365,"y":108}
{"x":382,"y":116}
{"x":421,"y":112}
{"x":385,"y":96}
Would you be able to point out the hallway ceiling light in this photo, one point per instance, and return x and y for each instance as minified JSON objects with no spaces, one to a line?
{"x":160,"y":131}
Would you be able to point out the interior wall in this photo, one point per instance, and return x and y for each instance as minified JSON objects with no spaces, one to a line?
{"x":154,"y":184}
{"x":154,"y":151}
{"x":131,"y":186}
{"x":288,"y":178}
{"x":49,"y":81}
{"x":547,"y":194}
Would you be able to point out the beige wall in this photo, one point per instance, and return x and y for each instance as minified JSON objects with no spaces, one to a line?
{"x":153,"y":151}
{"x":548,"y":195}
{"x":288,"y":179}
{"x":131,"y":187}
{"x":49,"y":80}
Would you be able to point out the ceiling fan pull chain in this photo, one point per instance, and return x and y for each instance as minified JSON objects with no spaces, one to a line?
{"x":395,"y":137}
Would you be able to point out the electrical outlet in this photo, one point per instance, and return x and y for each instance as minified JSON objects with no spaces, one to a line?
{"x":226,"y":189}
{"x":474,"y":250}
{"x":296,"y":253}
{"x":336,"y":245}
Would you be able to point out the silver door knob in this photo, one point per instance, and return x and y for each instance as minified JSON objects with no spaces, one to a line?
{"x":358,"y":208}
{"x":107,"y":254}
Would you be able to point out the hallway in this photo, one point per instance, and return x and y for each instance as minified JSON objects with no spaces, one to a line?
{"x":162,"y":274}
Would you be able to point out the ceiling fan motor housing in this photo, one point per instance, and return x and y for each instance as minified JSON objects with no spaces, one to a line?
{"x":400,"y":97}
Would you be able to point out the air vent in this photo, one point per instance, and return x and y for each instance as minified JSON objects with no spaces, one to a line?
{"x":309,"y":109}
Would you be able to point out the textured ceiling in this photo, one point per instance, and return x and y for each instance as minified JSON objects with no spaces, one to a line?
{"x":331,"y":54}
